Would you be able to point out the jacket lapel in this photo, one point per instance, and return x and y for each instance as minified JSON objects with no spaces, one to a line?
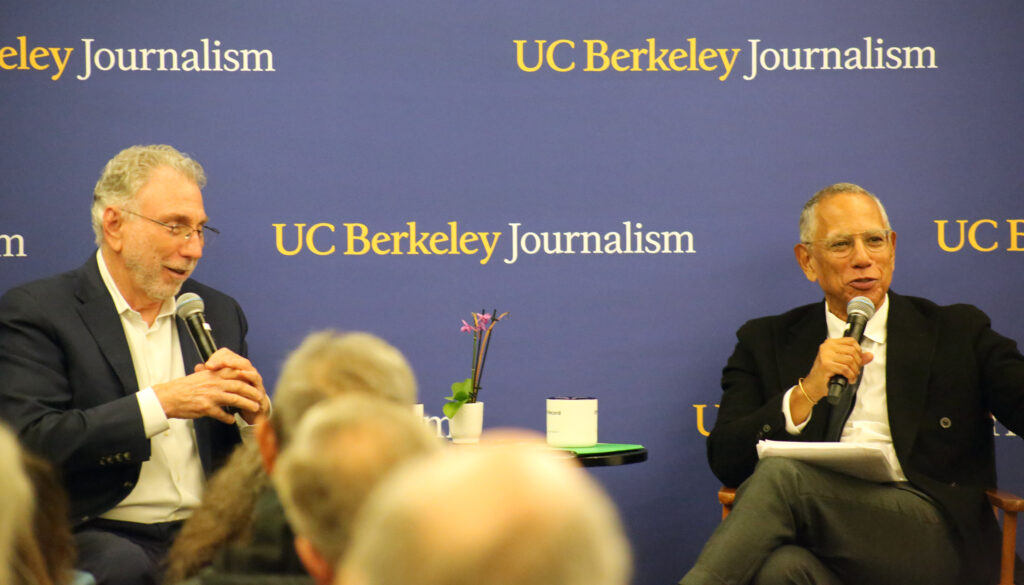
{"x":911,"y":342}
{"x":800,"y":345}
{"x":100,"y":317}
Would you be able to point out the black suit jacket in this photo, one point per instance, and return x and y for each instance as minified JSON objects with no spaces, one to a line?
{"x":947,"y":373}
{"x":67,"y":383}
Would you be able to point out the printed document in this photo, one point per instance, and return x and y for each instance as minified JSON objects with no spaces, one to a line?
{"x":871,"y":461}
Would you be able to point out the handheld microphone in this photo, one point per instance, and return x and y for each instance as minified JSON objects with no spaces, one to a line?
{"x":858,"y":311}
{"x":190,"y":309}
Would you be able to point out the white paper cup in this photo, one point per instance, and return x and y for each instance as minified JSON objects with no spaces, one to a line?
{"x":572,"y":421}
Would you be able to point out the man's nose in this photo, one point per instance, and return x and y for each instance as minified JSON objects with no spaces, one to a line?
{"x":192,"y":247}
{"x":861,"y":256}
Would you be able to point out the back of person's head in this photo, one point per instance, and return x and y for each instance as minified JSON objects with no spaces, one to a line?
{"x":51,"y":526}
{"x":340,"y":451}
{"x":21,"y":560}
{"x":498,"y":515}
{"x":330,"y":363}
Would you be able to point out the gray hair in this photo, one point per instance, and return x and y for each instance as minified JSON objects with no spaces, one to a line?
{"x":329,"y":363}
{"x":129,"y":171}
{"x":809,"y":219}
{"x":495,"y":515}
{"x":342,"y":449}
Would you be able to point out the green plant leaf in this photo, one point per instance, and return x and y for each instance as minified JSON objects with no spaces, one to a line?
{"x":464,"y":387}
{"x":450,"y":408}
{"x":461,"y":393}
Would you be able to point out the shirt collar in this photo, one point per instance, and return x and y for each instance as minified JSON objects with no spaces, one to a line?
{"x":876,"y":329}
{"x":120,"y":304}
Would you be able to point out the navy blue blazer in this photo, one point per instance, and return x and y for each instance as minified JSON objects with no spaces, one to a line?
{"x":67,"y":383}
{"x":947,"y":373}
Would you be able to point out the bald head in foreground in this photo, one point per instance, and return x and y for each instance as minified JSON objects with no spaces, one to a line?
{"x":493,"y":515}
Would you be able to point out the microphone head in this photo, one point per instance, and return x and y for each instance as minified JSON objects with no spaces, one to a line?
{"x":857,"y":306}
{"x":189,"y":304}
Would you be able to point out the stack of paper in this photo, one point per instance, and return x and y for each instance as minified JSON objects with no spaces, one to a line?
{"x":870,"y":461}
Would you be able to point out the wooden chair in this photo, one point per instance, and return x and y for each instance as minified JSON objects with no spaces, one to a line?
{"x":1003,"y":503}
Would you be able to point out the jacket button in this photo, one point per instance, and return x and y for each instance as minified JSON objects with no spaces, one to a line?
{"x":766,"y":429}
{"x":945,"y":423}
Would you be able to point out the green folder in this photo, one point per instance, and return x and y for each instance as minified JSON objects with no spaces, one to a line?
{"x":604,"y":448}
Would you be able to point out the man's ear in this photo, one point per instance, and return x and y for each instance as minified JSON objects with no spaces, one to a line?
{"x":112,"y":225}
{"x":893,"y":236}
{"x":804,"y":259}
{"x":316,"y":565}
{"x":266,"y":439}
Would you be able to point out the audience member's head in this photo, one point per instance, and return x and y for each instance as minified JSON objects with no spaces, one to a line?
{"x":51,"y":527}
{"x":327,"y":364}
{"x":342,"y":448}
{"x":494,"y":515}
{"x":21,"y":558}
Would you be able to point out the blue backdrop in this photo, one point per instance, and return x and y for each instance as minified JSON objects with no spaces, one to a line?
{"x":710,"y":121}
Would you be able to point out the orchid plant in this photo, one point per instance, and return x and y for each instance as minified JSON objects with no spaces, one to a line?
{"x":467,"y":390}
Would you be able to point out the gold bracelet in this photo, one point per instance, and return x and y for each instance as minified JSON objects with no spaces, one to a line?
{"x":800,"y":384}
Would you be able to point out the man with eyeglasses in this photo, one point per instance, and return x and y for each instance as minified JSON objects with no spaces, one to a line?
{"x":925,"y":379}
{"x":98,"y":375}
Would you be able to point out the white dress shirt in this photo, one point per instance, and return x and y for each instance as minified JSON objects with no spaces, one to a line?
{"x":869,"y":419}
{"x":171,"y":482}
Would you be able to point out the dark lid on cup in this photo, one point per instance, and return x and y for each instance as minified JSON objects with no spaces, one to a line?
{"x":572,"y":398}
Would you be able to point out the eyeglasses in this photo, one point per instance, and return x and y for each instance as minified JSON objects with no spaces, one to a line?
{"x":843,"y":246}
{"x":185,"y":232}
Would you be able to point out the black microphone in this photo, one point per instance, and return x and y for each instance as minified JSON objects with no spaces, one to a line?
{"x":858,"y":311}
{"x":190,"y":309}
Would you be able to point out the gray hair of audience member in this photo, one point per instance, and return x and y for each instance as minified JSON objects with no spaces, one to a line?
{"x":342,"y":449}
{"x":503,"y":515}
{"x":128,"y":171}
{"x":330,"y":363}
{"x":809,"y":219}
{"x":17,"y":507}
